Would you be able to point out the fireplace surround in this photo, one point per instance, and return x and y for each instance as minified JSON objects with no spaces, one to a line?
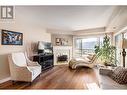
{"x":62,"y":54}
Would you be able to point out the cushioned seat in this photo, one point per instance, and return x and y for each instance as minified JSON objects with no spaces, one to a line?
{"x":88,"y":61}
{"x":35,"y":70}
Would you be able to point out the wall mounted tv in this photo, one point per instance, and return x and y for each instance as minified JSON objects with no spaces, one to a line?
{"x":44,"y":47}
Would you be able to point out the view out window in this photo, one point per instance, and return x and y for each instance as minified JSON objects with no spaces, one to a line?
{"x":84,"y":46}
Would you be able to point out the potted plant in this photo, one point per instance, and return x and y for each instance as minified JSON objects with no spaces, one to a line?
{"x":107,"y":52}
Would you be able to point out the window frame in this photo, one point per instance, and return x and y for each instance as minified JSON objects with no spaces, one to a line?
{"x":85,"y":37}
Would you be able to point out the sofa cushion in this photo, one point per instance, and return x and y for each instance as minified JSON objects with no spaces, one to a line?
{"x":119,"y":75}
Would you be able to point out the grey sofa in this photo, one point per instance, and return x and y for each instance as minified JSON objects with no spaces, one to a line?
{"x":108,"y":83}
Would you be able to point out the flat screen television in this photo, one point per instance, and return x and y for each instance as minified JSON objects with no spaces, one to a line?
{"x":44,"y":47}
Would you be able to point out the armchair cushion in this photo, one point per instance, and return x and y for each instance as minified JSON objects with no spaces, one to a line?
{"x":19,"y":59}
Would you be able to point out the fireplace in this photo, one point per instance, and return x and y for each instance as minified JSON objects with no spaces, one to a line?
{"x":62,"y":58}
{"x":62,"y":54}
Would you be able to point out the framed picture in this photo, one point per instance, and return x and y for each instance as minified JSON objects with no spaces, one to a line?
{"x":58,"y":41}
{"x":11,"y":38}
{"x":61,"y":41}
{"x":64,"y":42}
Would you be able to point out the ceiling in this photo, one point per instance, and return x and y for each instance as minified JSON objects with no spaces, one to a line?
{"x":69,"y":18}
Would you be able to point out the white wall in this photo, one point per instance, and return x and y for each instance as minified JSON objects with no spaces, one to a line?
{"x":32,"y":32}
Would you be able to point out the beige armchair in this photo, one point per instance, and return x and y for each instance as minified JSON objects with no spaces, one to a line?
{"x":22,"y":69}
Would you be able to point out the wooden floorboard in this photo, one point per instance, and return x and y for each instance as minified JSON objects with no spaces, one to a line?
{"x":59,"y":77}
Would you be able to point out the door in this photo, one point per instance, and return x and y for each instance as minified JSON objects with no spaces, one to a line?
{"x":118,"y":40}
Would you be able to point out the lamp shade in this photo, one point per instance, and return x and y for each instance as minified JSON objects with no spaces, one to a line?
{"x":124,"y":43}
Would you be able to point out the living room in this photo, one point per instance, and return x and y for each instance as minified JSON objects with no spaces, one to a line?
{"x":68,"y":36}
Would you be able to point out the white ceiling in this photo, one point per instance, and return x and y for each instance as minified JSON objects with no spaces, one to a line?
{"x":70,"y":18}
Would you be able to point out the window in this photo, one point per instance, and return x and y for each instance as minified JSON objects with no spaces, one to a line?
{"x":84,"y":46}
{"x":118,"y":56}
{"x":78,"y":46}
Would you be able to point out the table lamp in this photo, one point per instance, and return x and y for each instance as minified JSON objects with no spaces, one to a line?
{"x":124,"y":46}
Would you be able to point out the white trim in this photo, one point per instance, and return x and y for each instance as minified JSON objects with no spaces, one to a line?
{"x":4,"y":80}
{"x":121,"y":31}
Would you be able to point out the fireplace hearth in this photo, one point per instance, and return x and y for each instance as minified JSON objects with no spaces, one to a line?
{"x":62,"y":58}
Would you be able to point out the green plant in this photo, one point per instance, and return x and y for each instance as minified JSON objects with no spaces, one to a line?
{"x":107,"y":52}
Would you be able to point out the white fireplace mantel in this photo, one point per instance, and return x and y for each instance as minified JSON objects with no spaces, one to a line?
{"x":60,"y":50}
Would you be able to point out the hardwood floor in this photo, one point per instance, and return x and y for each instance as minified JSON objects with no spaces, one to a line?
{"x":59,"y":77}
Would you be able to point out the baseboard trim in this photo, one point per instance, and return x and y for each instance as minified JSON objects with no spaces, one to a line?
{"x":4,"y":80}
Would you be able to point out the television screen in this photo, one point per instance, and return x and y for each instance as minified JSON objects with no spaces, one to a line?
{"x":41,"y":45}
{"x":44,"y":47}
{"x":48,"y":45}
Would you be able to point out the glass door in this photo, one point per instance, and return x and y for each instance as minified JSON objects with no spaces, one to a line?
{"x":88,"y":45}
{"x":83,"y":46}
{"x":118,"y":39}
